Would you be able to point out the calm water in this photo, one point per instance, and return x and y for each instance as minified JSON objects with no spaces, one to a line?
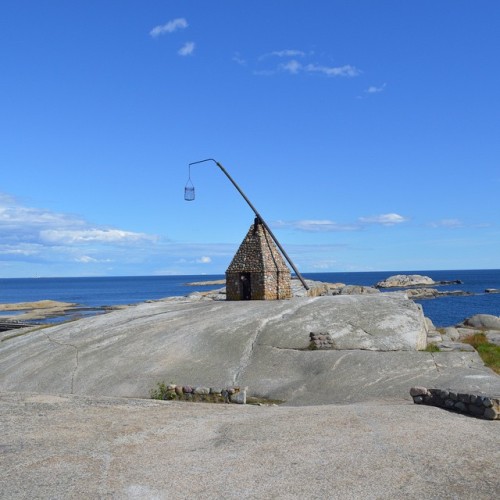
{"x":97,"y":292}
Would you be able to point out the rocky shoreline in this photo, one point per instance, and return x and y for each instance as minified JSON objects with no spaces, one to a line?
{"x":416,"y":287}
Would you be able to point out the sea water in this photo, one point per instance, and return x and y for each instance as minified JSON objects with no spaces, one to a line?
{"x":108,"y":291}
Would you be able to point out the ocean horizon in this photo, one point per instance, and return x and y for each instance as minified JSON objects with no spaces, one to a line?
{"x":98,"y":292}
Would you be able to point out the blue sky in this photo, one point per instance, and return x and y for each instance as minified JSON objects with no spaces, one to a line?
{"x":366,"y":133}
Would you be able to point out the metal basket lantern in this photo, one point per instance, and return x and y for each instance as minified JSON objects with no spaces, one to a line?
{"x":189,"y":188}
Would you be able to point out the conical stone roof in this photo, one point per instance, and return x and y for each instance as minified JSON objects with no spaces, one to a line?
{"x":257,"y":253}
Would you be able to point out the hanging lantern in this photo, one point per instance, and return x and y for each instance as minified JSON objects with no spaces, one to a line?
{"x":189,"y":188}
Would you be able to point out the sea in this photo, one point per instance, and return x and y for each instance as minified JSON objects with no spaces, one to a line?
{"x":94,"y":293}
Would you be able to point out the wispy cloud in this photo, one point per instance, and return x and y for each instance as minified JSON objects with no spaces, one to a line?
{"x":48,"y":243}
{"x":447,"y":223}
{"x":35,"y":233}
{"x":187,"y":49}
{"x":204,"y":260}
{"x":346,"y":70}
{"x":239,"y":60}
{"x":384,"y":219}
{"x":315,"y":226}
{"x":325,"y":225}
{"x":170,"y":27}
{"x":375,"y":90}
{"x":283,"y":53}
{"x":295,"y":61}
{"x":92,"y":235}
{"x":294,"y":67}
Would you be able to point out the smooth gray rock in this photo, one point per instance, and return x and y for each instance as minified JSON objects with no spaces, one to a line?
{"x":455,"y":346}
{"x":429,"y":324}
{"x":451,"y":332}
{"x":487,"y":321}
{"x":260,"y":344}
{"x":404,"y":280}
{"x":493,"y":337}
{"x":357,"y":290}
{"x":418,"y":391}
{"x":421,"y":293}
{"x":68,"y":447}
{"x":239,"y":397}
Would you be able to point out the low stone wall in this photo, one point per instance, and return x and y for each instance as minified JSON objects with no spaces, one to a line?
{"x":173,"y":392}
{"x":471,"y":404}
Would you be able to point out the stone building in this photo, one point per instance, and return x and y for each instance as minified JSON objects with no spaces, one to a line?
{"x":258,"y":270}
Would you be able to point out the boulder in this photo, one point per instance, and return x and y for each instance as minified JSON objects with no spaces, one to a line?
{"x":357,"y":290}
{"x":405,"y":280}
{"x":421,"y":293}
{"x":264,"y":345}
{"x":486,"y":321}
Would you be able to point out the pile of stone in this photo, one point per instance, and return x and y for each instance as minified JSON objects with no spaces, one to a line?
{"x":477,"y":405}
{"x":320,"y":341}
{"x":175,"y":392}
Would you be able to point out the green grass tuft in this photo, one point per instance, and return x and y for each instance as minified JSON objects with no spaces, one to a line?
{"x":432,"y":348}
{"x":490,"y":353}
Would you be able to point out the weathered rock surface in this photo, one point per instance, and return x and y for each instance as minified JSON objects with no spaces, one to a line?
{"x":357,"y":290}
{"x":432,"y":293}
{"x":264,"y":345}
{"x":84,"y":447}
{"x":411,"y":280}
{"x":486,"y":321}
{"x":404,"y":280}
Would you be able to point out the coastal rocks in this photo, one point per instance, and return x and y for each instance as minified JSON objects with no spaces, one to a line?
{"x":412,"y":280}
{"x":477,"y":405}
{"x":319,"y":289}
{"x":404,"y":280}
{"x":431,"y":293}
{"x":485,"y":321}
{"x":356,"y":290}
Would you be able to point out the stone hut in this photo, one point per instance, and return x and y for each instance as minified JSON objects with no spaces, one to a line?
{"x":258,"y":270}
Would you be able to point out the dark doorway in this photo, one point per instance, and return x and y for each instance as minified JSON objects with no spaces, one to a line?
{"x":245,"y":286}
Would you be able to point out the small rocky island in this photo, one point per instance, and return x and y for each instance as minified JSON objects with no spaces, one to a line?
{"x":418,"y":287}
{"x":412,"y":280}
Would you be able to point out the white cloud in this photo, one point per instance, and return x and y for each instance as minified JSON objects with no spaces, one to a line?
{"x":294,"y":67}
{"x":384,"y":219}
{"x":87,"y":259}
{"x":187,"y":49}
{"x":25,"y":250}
{"x":447,"y":223}
{"x":170,"y":27}
{"x":375,"y":90}
{"x":92,"y":235}
{"x":315,"y":225}
{"x":284,"y":53}
{"x":325,"y":225}
{"x":22,"y":225}
{"x":204,"y":260}
{"x":239,"y":60}
{"x":346,"y":70}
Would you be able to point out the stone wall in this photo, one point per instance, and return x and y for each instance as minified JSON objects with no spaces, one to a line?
{"x":471,"y":404}
{"x":173,"y":392}
{"x":264,"y":285}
